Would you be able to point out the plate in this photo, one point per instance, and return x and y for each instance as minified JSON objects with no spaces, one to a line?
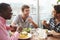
{"x":28,"y":36}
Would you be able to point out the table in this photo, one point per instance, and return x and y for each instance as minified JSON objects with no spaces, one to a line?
{"x":52,"y":38}
{"x":37,"y":34}
{"x":22,"y":39}
{"x":46,"y":38}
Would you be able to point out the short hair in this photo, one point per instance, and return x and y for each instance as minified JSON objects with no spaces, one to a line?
{"x":57,"y":8}
{"x":24,"y":6}
{"x":3,"y":7}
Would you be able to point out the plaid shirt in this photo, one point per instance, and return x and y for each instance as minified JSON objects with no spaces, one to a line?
{"x":54,"y":26}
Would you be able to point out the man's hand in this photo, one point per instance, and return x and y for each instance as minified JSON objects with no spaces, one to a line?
{"x":30,"y":20}
{"x":45,"y":23}
{"x":19,"y":29}
{"x":13,"y":28}
{"x":55,"y":34}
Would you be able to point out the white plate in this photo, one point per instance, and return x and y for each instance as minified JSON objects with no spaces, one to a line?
{"x":29,"y":36}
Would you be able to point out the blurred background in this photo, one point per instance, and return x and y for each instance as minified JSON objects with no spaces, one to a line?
{"x":39,"y":9}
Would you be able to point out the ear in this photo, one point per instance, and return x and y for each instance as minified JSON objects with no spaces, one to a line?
{"x":53,"y":13}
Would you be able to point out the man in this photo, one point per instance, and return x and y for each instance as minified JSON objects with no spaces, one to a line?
{"x":24,"y":20}
{"x":5,"y":13}
{"x":54,"y":23}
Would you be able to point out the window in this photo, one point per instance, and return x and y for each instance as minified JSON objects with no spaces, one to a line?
{"x":40,"y":9}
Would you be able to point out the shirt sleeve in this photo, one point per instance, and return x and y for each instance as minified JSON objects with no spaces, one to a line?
{"x":57,"y":28}
{"x":52,"y":24}
{"x":16,"y":19}
{"x":4,"y":34}
{"x":15,"y":36}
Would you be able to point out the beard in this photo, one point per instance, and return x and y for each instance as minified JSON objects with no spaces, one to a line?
{"x":8,"y":18}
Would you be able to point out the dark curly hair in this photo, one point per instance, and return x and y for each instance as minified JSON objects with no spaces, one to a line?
{"x":3,"y":7}
{"x":57,"y":8}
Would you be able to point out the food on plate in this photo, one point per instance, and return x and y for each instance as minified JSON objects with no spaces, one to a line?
{"x":27,"y":29}
{"x":46,"y":30}
{"x":23,"y":35}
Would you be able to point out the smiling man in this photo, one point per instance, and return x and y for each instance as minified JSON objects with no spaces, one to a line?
{"x":24,"y":20}
{"x":5,"y":14}
{"x":54,"y":24}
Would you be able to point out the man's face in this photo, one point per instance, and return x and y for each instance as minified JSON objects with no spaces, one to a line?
{"x":7,"y":13}
{"x":26,"y":12}
{"x":56,"y":15}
